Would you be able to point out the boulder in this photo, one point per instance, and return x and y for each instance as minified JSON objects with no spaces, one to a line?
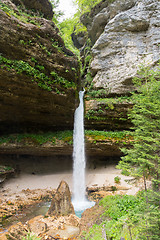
{"x":16,"y":232}
{"x":37,"y":225}
{"x":61,"y":203}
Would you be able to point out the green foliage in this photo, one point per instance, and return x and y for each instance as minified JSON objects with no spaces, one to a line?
{"x":62,"y":81}
{"x":67,"y":27}
{"x":31,"y":236}
{"x":4,"y":169}
{"x":97,"y":93}
{"x":91,"y":113}
{"x":23,"y":16}
{"x":122,"y":217}
{"x":143,"y":159}
{"x":56,"y":11}
{"x":43,"y":81}
{"x":117,"y":179}
{"x":116,"y":137}
{"x":85,"y":5}
{"x":38,"y":139}
{"x":122,"y":99}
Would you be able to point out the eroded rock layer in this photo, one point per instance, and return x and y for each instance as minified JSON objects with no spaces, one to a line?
{"x":38,"y":75}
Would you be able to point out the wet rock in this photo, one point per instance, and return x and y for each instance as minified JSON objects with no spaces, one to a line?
{"x":61,"y":203}
{"x":68,"y":233}
{"x":12,"y":204}
{"x":37,"y":225}
{"x":5,"y":172}
{"x":16,"y":232}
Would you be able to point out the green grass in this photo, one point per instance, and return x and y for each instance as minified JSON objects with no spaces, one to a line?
{"x":122,"y":217}
{"x":110,"y":134}
{"x":64,"y":137}
{"x":38,"y":139}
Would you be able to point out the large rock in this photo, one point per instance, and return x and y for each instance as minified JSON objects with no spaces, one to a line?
{"x":130,"y":39}
{"x":43,"y":7}
{"x":37,"y":225}
{"x":17,"y":231}
{"x":24,"y":105}
{"x":101,"y":14}
{"x":61,"y":203}
{"x":66,"y":227}
{"x":107,"y":114}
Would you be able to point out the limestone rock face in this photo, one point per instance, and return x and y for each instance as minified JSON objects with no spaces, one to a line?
{"x":24,"y":104}
{"x":130,"y":37}
{"x":61,"y":203}
{"x":101,"y":14}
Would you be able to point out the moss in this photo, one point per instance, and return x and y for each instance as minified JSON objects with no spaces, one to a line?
{"x":66,"y":137}
{"x":21,"y":15}
{"x":122,"y":137}
{"x":49,"y":83}
{"x":38,"y":139}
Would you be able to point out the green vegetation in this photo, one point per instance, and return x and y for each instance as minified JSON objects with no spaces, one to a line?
{"x":31,"y":236}
{"x":122,"y":217}
{"x":38,"y":139}
{"x":143,"y":159}
{"x":91,"y":113}
{"x":122,"y":99}
{"x":85,"y":5}
{"x":57,"y":13}
{"x":4,"y":169}
{"x":67,"y":27}
{"x":117,"y":179}
{"x":49,"y":83}
{"x":116,"y":137}
{"x":136,"y":217}
{"x":22,"y":15}
{"x":65,"y":137}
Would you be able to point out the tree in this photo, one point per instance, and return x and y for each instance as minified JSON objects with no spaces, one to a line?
{"x":85,"y":5}
{"x":57,"y":13}
{"x":143,"y":158}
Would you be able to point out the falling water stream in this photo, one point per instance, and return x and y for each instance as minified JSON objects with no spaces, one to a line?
{"x":80,"y":202}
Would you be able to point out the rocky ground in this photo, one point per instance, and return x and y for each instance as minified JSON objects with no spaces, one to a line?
{"x":16,"y":198}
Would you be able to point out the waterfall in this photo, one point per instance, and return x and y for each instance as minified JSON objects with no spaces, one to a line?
{"x":80,"y":201}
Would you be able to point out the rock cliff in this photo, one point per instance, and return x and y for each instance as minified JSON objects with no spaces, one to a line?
{"x":125,"y":34}
{"x":38,"y":75}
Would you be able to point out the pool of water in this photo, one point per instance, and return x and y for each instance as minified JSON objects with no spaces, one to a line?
{"x":80,"y":207}
{"x":26,"y":214}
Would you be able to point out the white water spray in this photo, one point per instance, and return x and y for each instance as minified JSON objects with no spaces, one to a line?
{"x":80,"y":201}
